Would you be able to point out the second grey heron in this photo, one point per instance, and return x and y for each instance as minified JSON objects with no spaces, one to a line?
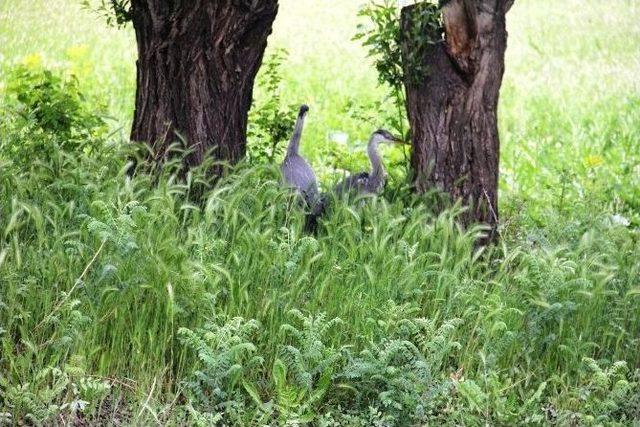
{"x":369,"y":182}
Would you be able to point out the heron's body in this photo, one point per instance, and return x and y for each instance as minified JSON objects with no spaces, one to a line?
{"x":359,"y":183}
{"x":296,"y":171}
{"x":298,"y":175}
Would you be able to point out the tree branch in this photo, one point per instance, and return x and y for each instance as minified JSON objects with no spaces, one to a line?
{"x":507,"y":5}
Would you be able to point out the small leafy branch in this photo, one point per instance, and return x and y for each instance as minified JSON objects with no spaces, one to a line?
{"x":270,"y":120}
{"x":116,"y":12}
{"x":383,"y":38}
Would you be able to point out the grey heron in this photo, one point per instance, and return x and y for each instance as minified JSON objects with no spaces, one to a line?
{"x":369,"y":182}
{"x":296,"y":171}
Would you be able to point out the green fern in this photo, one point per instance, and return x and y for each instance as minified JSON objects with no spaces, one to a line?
{"x":226,"y":354}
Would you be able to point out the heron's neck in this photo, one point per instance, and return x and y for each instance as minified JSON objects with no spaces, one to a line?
{"x":377,"y":168}
{"x":294,"y":144}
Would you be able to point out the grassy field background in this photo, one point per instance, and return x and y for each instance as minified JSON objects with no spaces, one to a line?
{"x":113,"y":291}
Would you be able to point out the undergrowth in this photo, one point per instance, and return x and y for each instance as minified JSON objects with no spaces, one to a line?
{"x":220,"y":311}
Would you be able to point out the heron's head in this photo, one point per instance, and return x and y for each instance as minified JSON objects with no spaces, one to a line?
{"x":304,"y":109}
{"x":383,"y":135}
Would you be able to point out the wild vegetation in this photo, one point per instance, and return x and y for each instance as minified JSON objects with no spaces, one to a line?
{"x":129,"y":301}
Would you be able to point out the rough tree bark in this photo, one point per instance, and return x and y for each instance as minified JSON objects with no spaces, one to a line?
{"x":453,"y":108}
{"x":197,"y":61}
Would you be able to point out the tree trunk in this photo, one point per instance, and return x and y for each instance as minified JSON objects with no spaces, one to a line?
{"x":453,"y":108}
{"x":197,"y":61}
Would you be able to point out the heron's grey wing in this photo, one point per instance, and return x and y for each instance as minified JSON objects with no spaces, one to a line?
{"x":299,"y":175}
{"x":353,"y":183}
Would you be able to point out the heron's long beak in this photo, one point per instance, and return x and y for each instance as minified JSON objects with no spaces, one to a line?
{"x":398,"y":140}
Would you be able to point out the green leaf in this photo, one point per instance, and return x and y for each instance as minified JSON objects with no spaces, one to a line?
{"x":253,"y":392}
{"x":279,"y":373}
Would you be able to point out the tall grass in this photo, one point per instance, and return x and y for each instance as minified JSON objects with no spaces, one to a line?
{"x":107,"y":269}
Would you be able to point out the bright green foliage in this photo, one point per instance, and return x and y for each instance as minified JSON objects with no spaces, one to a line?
{"x":270,"y":121}
{"x":383,"y":38}
{"x":51,"y":102}
{"x":46,"y":113}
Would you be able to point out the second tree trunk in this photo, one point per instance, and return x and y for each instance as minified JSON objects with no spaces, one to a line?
{"x":453,"y":109}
